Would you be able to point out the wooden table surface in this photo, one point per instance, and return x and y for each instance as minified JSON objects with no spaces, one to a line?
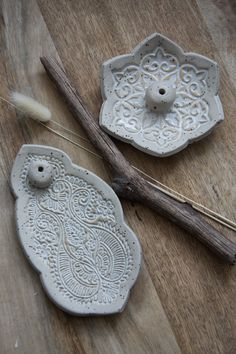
{"x":184,"y":299}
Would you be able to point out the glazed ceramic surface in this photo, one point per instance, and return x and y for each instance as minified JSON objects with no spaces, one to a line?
{"x":159,"y":98}
{"x":70,"y":224}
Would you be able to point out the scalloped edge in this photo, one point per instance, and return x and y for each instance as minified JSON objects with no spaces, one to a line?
{"x":107,"y":191}
{"x":192,"y":57}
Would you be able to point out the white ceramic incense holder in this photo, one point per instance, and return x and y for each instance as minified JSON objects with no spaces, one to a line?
{"x":158,"y":98}
{"x":71,"y":226}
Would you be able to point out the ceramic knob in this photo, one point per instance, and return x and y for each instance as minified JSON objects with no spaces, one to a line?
{"x":160,"y":96}
{"x":40,"y":174}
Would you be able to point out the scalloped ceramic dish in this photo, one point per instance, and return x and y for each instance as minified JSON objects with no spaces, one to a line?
{"x":158,"y":98}
{"x":70,"y":224}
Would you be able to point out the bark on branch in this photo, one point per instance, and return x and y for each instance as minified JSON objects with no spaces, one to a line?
{"x":127,"y":182}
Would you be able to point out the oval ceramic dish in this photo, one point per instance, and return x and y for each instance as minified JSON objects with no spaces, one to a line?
{"x":158,"y":98}
{"x":71,"y":226}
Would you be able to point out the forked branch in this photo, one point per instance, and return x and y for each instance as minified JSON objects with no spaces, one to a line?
{"x":127,"y":182}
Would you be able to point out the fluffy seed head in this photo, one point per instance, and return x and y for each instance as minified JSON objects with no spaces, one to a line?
{"x":30,"y":107}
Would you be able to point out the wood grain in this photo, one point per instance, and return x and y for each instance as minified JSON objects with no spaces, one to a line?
{"x":127,"y":182}
{"x":184,"y":300}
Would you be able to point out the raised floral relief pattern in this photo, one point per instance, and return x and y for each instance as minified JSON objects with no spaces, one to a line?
{"x":75,"y":234}
{"x":130,"y":110}
{"x":125,"y":107}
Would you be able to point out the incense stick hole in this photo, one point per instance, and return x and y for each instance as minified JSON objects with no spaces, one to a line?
{"x":40,"y":168}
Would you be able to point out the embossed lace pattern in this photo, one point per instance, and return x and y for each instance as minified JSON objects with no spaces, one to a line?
{"x":127,"y":105}
{"x":75,"y":235}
